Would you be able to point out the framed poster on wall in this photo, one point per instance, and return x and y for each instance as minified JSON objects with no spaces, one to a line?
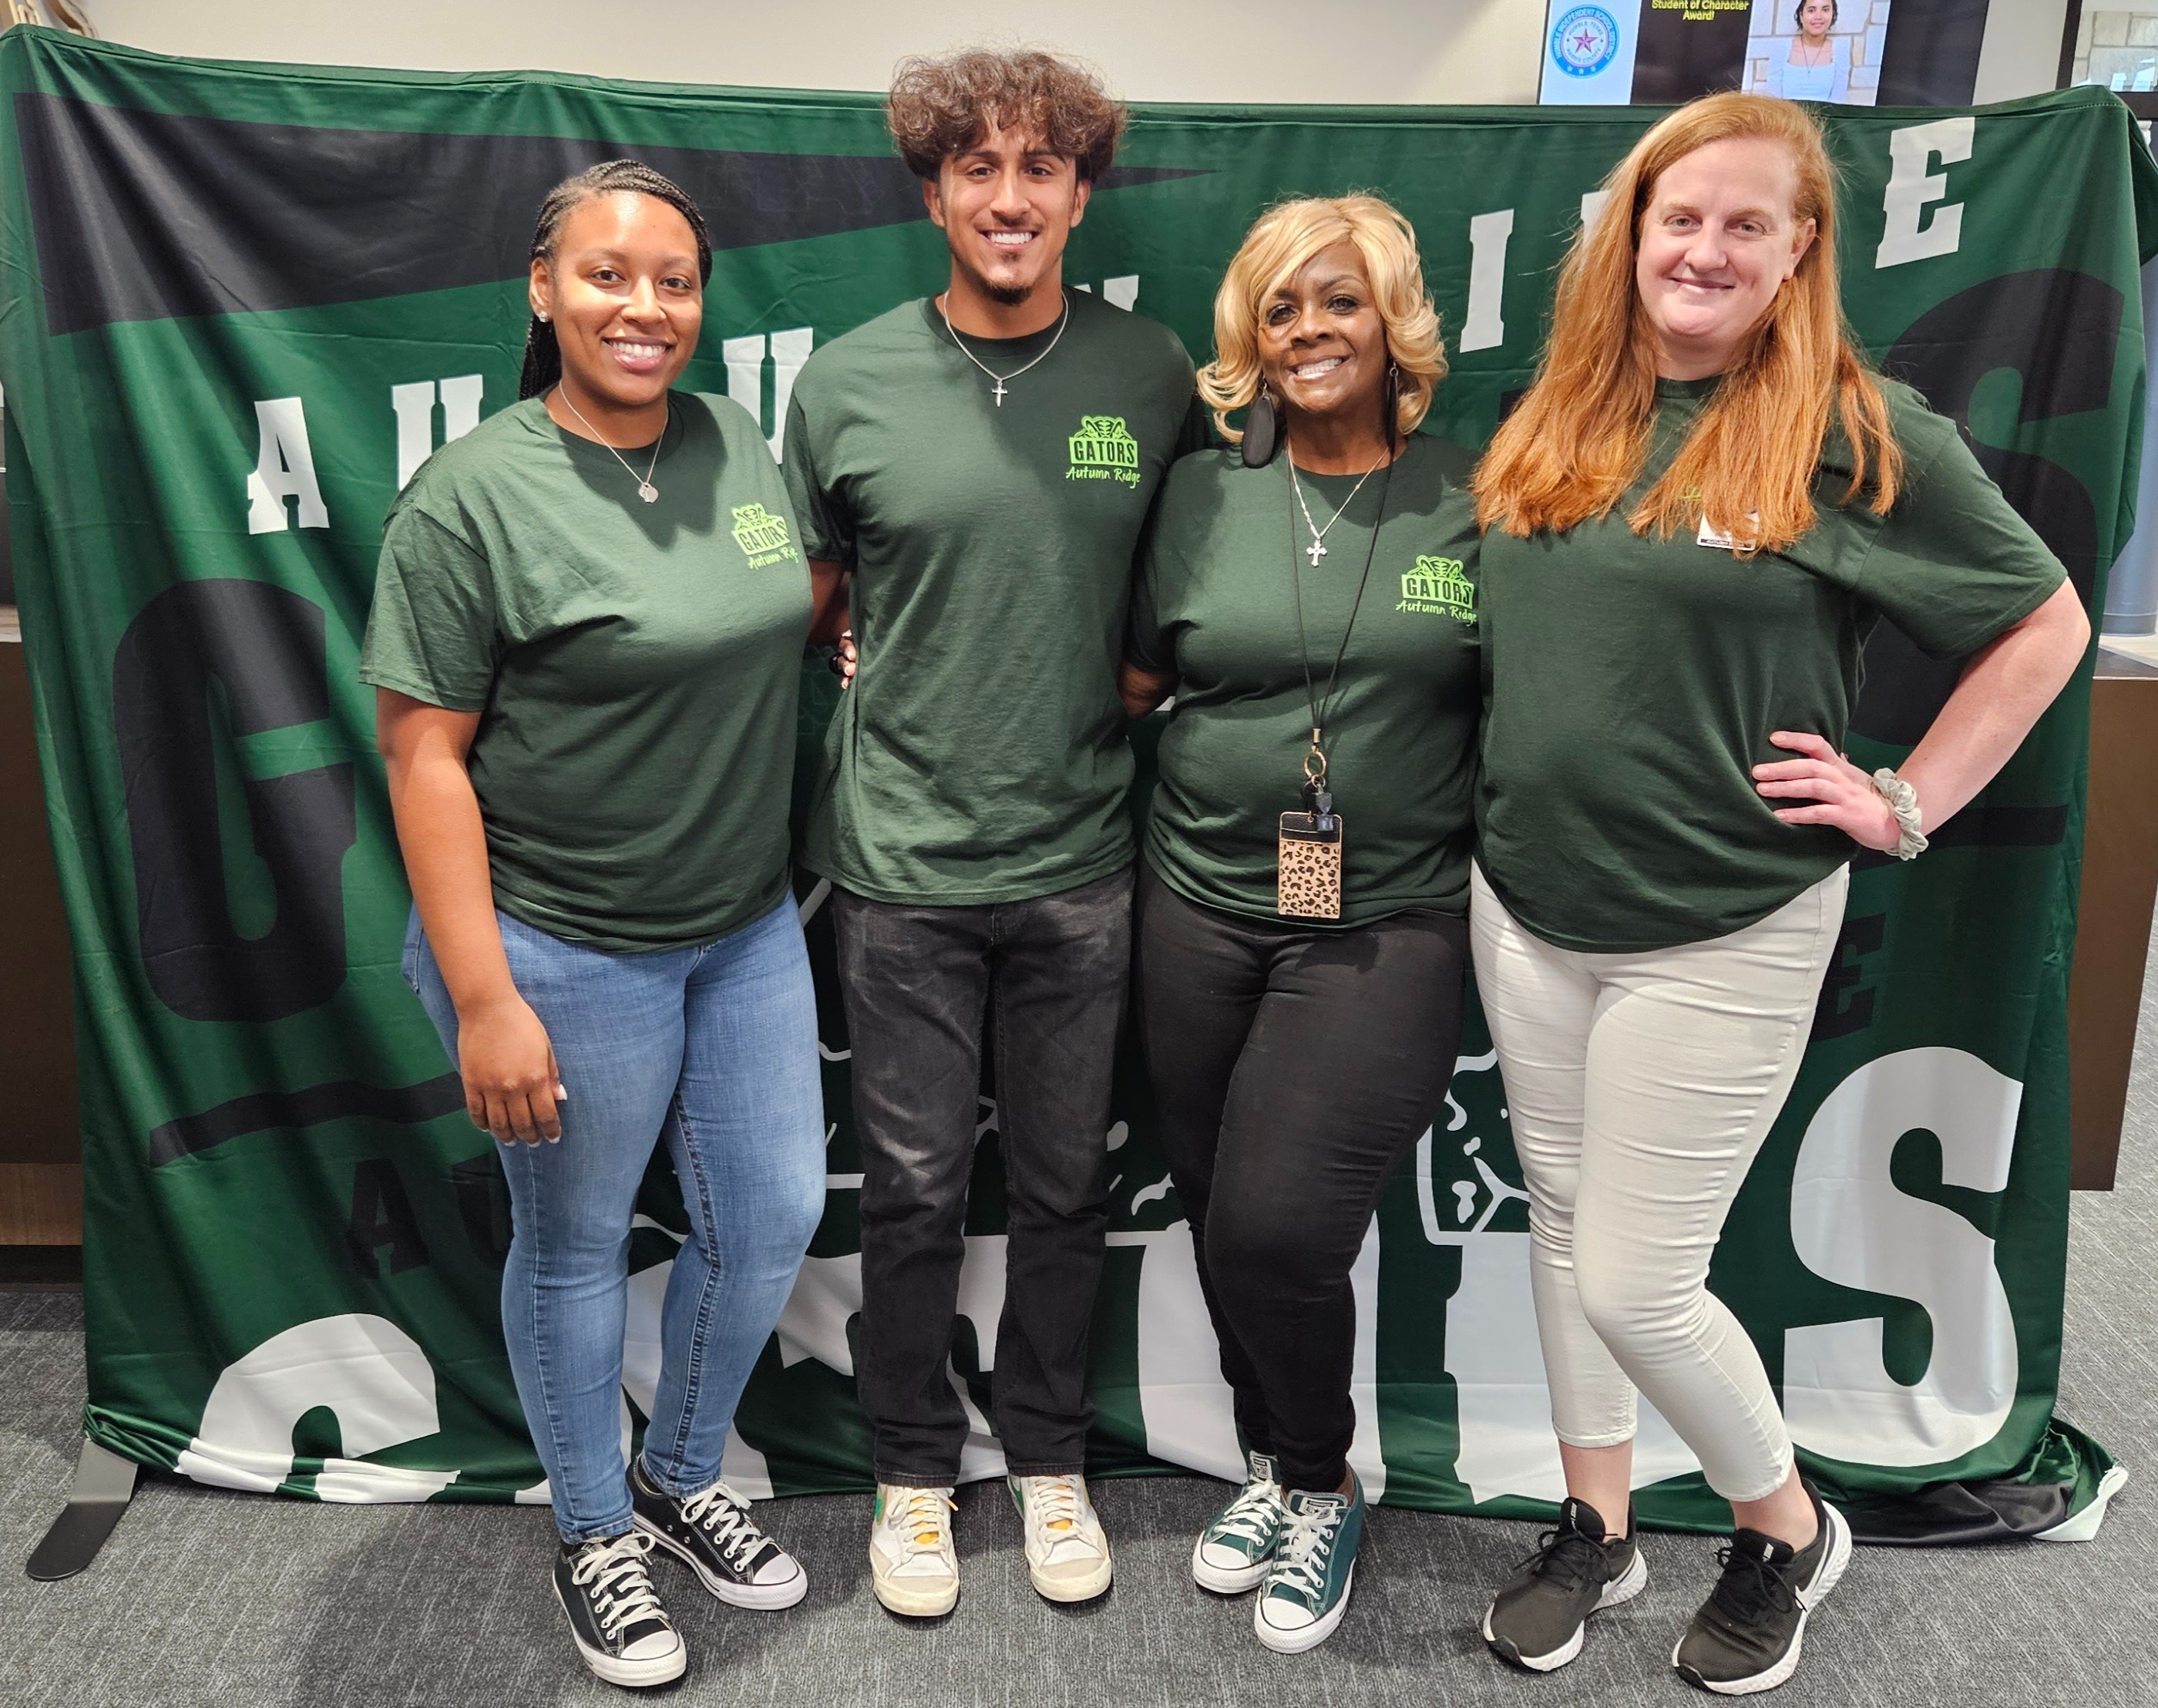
{"x":1843,"y":53}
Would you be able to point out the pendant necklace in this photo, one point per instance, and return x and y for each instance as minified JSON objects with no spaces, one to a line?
{"x":1317,"y":548}
{"x":645,"y":489}
{"x":1063,"y":321}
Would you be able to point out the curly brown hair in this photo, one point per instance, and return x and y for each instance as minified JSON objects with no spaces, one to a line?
{"x":940,"y":105}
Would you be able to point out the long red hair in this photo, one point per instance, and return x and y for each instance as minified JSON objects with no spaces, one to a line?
{"x":1580,"y":436}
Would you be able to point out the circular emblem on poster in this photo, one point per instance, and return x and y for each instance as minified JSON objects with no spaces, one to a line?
{"x":1585,"y":41}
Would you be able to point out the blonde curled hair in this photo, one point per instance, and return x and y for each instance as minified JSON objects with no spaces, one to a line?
{"x":1279,"y":245}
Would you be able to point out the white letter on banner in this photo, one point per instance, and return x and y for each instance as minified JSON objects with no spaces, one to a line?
{"x":283,"y":469}
{"x":744,"y":358}
{"x":1850,"y":1225}
{"x":414,"y":405}
{"x":364,"y":1369}
{"x":1484,"y":329}
{"x":1912,"y":188}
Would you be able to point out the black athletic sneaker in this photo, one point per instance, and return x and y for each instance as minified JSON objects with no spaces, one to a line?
{"x":713,"y":1533}
{"x":1747,"y":1634}
{"x":1538,"y":1619}
{"x":621,"y":1630}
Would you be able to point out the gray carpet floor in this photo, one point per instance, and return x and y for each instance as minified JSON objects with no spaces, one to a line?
{"x":208,"y":1597}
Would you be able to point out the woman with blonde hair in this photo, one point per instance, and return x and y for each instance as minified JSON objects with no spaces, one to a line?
{"x":1692,"y":519}
{"x":1307,"y":597}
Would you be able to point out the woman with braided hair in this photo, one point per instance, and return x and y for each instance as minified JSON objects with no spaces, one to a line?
{"x":587,"y":636}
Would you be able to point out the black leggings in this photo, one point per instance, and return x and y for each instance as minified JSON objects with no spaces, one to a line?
{"x":1291,"y":1068}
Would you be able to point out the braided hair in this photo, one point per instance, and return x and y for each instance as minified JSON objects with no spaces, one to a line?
{"x":543,"y":352}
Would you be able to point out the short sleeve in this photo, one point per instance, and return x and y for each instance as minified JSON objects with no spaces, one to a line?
{"x":431,"y":633}
{"x":826,"y":532}
{"x":1954,"y":565}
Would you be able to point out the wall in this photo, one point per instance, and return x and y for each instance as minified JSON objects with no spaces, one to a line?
{"x":1197,"y":51}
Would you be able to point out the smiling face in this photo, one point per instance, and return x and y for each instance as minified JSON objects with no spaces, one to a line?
{"x":1007,"y":206}
{"x":1323,"y":342}
{"x":1816,"y":17}
{"x":1718,"y":239}
{"x":624,"y":296}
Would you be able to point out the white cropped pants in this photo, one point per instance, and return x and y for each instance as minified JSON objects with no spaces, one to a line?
{"x":1639,"y":1088}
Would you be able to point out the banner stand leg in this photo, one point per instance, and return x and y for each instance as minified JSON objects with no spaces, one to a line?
{"x":104,"y":1483}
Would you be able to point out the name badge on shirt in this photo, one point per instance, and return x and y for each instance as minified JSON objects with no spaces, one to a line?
{"x":1716,"y":541}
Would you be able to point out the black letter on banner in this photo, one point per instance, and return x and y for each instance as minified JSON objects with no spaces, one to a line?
{"x":2059,"y":331}
{"x":382,"y":1215}
{"x":1846,"y":1005}
{"x":264,"y":647}
{"x":482,"y":1198}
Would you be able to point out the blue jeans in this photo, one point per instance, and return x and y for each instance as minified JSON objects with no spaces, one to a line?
{"x":716,"y":1048}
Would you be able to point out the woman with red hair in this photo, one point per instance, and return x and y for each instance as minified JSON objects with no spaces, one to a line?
{"x":1694,"y":516}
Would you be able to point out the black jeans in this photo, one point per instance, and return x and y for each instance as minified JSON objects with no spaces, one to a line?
{"x":1292,"y":1067}
{"x":1051,"y":974}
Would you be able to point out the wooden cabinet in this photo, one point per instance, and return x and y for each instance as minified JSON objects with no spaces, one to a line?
{"x":40,"y":1141}
{"x":2113,"y":930}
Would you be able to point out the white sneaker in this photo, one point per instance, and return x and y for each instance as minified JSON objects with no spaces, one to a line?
{"x":1067,"y":1556}
{"x":913,"y":1567}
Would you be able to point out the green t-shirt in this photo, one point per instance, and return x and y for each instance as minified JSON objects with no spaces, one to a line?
{"x":1633,"y":683}
{"x":980,"y":756}
{"x":635,"y":666}
{"x":1216,"y":608}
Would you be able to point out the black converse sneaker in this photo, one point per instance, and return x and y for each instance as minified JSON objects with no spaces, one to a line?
{"x":621,"y":1630}
{"x":1746,"y":1636}
{"x":713,"y":1533}
{"x":1538,"y":1620}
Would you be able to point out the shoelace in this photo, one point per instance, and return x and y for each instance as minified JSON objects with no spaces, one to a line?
{"x":920,"y":1523}
{"x":1564,"y":1557}
{"x":1751,"y":1586}
{"x":1254,"y":1515}
{"x":618,"y":1583}
{"x":724,"y":1516}
{"x":1300,"y":1560}
{"x":1057,"y":1504}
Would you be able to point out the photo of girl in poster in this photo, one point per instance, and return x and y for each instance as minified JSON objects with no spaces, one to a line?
{"x":1820,"y":50}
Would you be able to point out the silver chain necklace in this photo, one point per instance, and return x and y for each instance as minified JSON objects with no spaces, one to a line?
{"x":645,"y":489}
{"x":1063,"y":321}
{"x":1317,"y":548}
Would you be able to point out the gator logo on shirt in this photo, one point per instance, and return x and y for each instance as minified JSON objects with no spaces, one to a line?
{"x":1103,"y":449}
{"x":762,"y":536}
{"x":1438,"y":586}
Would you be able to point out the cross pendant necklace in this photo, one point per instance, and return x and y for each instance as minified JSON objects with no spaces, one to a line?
{"x":1317,"y":548}
{"x":998,"y":393}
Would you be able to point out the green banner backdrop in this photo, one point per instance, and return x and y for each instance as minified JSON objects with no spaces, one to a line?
{"x":242,"y":302}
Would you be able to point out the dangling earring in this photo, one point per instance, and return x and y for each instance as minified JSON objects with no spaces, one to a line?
{"x":1261,"y":430}
{"x":1390,"y":426}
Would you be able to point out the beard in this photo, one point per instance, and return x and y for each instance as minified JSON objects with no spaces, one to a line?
{"x":1011,"y":295}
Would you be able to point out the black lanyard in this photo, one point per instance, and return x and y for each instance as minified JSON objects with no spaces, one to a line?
{"x":1316,"y":793}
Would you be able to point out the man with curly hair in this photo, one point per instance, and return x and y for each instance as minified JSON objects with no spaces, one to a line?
{"x":980,"y":463}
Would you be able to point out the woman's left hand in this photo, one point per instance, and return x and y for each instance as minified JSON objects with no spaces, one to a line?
{"x":1845,"y":795}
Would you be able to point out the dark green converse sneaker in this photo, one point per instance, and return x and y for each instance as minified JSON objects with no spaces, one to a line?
{"x":1306,"y":1590}
{"x":1232,"y":1553}
{"x":1747,"y":1634}
{"x":1538,"y":1619}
